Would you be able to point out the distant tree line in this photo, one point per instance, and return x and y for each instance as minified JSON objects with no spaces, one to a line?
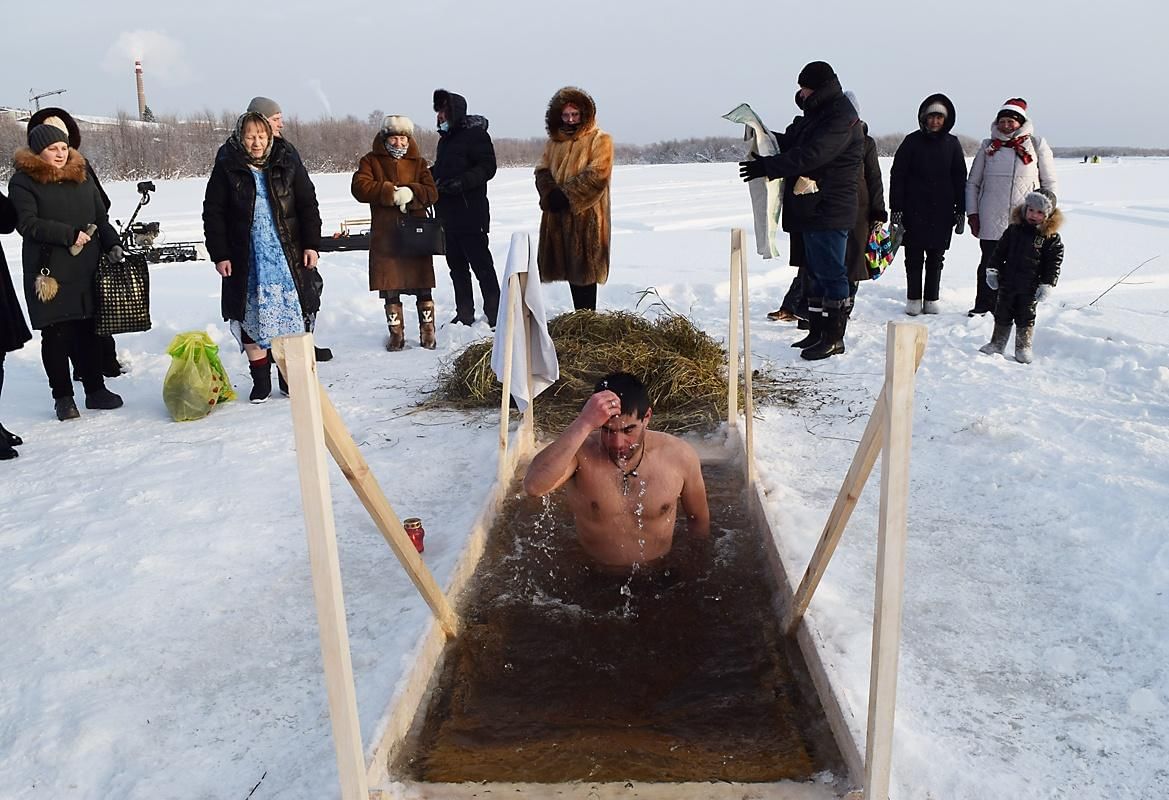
{"x":127,"y":149}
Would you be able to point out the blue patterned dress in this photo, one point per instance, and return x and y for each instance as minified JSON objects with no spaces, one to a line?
{"x":273,"y":306}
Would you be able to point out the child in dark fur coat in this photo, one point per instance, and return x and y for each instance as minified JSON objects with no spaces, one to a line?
{"x":1024,"y":270}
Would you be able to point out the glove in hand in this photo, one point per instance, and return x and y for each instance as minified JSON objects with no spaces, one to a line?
{"x":750,"y":170}
{"x":557,"y":200}
{"x":974,"y":226}
{"x":450,"y":186}
{"x":897,"y":218}
{"x":992,"y":279}
{"x":402,"y":197}
{"x":1043,"y":292}
{"x":115,"y":254}
{"x":959,"y":223}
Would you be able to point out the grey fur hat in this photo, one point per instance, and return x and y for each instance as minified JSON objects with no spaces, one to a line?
{"x":1041,"y":200}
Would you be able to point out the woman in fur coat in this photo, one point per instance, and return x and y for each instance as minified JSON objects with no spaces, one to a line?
{"x":396,"y":182}
{"x":1008,"y":165}
{"x":13,"y":330}
{"x":572,"y":178}
{"x":56,"y":203}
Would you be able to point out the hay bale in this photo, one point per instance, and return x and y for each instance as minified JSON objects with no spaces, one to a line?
{"x":683,"y":369}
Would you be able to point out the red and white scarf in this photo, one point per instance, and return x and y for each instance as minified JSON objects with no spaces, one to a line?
{"x":1018,"y":144}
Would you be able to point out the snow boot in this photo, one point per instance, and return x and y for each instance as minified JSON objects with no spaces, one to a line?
{"x":102,"y":398}
{"x":321,"y":353}
{"x":1023,"y":344}
{"x":998,"y":340}
{"x":913,"y":307}
{"x":66,"y":408}
{"x":261,"y":370}
{"x":929,"y":307}
{"x":283,"y":384}
{"x":426,"y":324}
{"x":835,"y":324}
{"x":815,"y":324}
{"x":9,"y":438}
{"x":394,"y":320}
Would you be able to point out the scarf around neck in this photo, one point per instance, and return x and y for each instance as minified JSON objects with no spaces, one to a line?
{"x":237,"y":138}
{"x":1017,"y":143}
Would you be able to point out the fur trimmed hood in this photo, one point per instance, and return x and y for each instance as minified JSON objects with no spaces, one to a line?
{"x":71,"y":125}
{"x":1046,"y":228}
{"x":30,"y":164}
{"x":577,"y":97}
{"x":951,"y":114}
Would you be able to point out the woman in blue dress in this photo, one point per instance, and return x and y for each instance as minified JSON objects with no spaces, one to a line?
{"x":263,"y":231}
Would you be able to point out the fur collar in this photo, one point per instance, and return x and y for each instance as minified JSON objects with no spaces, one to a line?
{"x":1048,"y":227}
{"x":577,"y":97}
{"x":30,"y":164}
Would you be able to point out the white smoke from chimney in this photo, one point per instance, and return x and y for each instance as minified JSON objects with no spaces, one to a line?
{"x":315,"y":85}
{"x":168,"y":64}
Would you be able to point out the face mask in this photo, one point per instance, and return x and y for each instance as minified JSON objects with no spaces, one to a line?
{"x":444,"y":126}
{"x":396,"y":152}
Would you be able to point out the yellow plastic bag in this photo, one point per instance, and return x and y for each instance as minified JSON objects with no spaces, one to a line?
{"x":196,"y":381}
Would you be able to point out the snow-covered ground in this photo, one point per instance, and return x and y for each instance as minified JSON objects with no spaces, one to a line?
{"x":157,"y":631}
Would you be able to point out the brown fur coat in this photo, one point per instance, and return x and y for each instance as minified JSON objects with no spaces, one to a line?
{"x":574,"y":244}
{"x":377,"y":176}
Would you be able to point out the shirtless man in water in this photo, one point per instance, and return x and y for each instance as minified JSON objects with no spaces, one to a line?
{"x":624,"y":480}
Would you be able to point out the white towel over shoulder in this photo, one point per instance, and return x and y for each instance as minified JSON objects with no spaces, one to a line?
{"x":535,"y":354}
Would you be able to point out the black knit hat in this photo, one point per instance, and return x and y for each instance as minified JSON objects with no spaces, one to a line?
{"x":816,"y":75}
{"x":42,"y":136}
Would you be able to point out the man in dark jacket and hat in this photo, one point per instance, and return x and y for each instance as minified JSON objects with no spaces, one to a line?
{"x":463,"y":163}
{"x":820,"y":156}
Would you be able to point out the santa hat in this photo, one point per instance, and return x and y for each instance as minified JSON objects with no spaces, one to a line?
{"x":1015,"y":108}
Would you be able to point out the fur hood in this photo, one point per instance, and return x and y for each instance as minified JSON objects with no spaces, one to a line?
{"x":1046,"y":228}
{"x":30,"y":164}
{"x":951,"y":114}
{"x":74,"y":130}
{"x":577,"y":97}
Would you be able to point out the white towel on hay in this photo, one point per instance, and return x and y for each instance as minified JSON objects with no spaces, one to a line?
{"x":534,"y":354}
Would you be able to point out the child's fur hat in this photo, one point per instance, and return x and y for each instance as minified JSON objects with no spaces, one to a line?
{"x":1040,"y":200}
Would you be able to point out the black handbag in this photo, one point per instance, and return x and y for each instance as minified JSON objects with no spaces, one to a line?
{"x":420,"y":236}
{"x":123,"y":295}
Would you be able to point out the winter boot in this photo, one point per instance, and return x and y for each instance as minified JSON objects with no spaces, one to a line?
{"x":929,"y":307}
{"x":8,"y":444}
{"x":66,"y":408}
{"x":913,"y":307}
{"x":9,"y":438}
{"x":835,"y":324}
{"x":321,"y":353}
{"x":102,"y":398}
{"x":426,"y":324}
{"x":283,"y":384}
{"x":261,"y":370}
{"x":998,"y":340}
{"x":394,"y":320}
{"x":815,"y":324}
{"x":1023,"y":344}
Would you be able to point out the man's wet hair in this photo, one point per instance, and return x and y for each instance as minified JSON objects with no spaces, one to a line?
{"x":634,"y":397}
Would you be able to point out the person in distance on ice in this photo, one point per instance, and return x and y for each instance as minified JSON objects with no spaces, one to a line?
{"x":60,"y":214}
{"x":572,"y":178}
{"x":1008,"y":165}
{"x":623,"y":480}
{"x":263,"y":229}
{"x":463,"y":164}
{"x":927,"y":192}
{"x":394,"y":179}
{"x":820,"y":156}
{"x":275,"y":115}
{"x":1023,"y":270}
{"x":13,"y":329}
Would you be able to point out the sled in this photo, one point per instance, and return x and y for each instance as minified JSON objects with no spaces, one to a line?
{"x":353,"y":235}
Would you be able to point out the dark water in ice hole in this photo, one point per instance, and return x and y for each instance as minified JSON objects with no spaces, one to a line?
{"x":566,"y":673}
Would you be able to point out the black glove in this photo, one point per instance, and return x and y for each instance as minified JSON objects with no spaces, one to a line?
{"x":115,"y":255}
{"x":450,"y":186}
{"x":556,"y":200}
{"x":897,"y":218}
{"x":750,"y":170}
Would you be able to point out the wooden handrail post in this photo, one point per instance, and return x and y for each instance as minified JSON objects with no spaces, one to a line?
{"x":902,"y":343}
{"x":733,"y":330}
{"x":307,"y":429}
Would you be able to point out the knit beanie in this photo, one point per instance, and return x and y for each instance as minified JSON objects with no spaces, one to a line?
{"x":816,"y":75}
{"x":935,"y":108}
{"x":264,"y":105}
{"x":43,"y":135}
{"x":1015,"y":108}
{"x":1040,"y":200}
{"x":396,"y":125}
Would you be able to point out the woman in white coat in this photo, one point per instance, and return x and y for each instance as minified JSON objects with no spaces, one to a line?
{"x":1008,"y":165}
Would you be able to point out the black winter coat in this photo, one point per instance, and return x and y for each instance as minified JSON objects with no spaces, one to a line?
{"x":826,"y":145}
{"x":870,"y":197}
{"x":928,"y":181}
{"x":1028,"y":255}
{"x":52,"y":206}
{"x":465,"y":153}
{"x":228,"y":207}
{"x":74,"y":141}
{"x":13,"y":329}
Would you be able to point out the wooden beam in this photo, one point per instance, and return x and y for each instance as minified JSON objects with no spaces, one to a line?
{"x":846,"y":499}
{"x":733,"y":330}
{"x":902,"y":343}
{"x":307,"y":430}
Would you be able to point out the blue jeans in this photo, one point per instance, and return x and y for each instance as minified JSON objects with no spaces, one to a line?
{"x":824,"y":254}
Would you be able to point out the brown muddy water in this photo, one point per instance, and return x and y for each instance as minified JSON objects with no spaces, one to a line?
{"x":675,"y":674}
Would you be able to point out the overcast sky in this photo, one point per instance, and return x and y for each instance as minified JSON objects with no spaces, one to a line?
{"x":1092,"y":73}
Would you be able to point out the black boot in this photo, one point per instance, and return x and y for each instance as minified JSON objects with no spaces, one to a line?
{"x":815,"y":323}
{"x":9,"y":438}
{"x":835,"y":324}
{"x":8,"y":444}
{"x":97,"y":396}
{"x":283,"y":384}
{"x":66,"y":408}
{"x":261,"y":370}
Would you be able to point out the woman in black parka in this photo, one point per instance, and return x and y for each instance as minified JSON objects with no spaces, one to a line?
{"x":13,"y":330}
{"x":263,"y":231}
{"x":927,"y":196}
{"x":55,"y":203}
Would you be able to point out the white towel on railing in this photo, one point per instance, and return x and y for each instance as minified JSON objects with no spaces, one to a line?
{"x":766,"y":196}
{"x":537,"y":355}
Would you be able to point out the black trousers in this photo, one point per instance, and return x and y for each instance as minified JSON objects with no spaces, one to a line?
{"x":1017,"y":307}
{"x":75,"y":340}
{"x":984,"y":299}
{"x":584,"y":296}
{"x":932,"y":260}
{"x":467,"y":252}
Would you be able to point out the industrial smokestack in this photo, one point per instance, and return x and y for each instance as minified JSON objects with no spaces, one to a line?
{"x":141,"y":89}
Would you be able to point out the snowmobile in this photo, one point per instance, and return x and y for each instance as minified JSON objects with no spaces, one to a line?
{"x":142,"y":237}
